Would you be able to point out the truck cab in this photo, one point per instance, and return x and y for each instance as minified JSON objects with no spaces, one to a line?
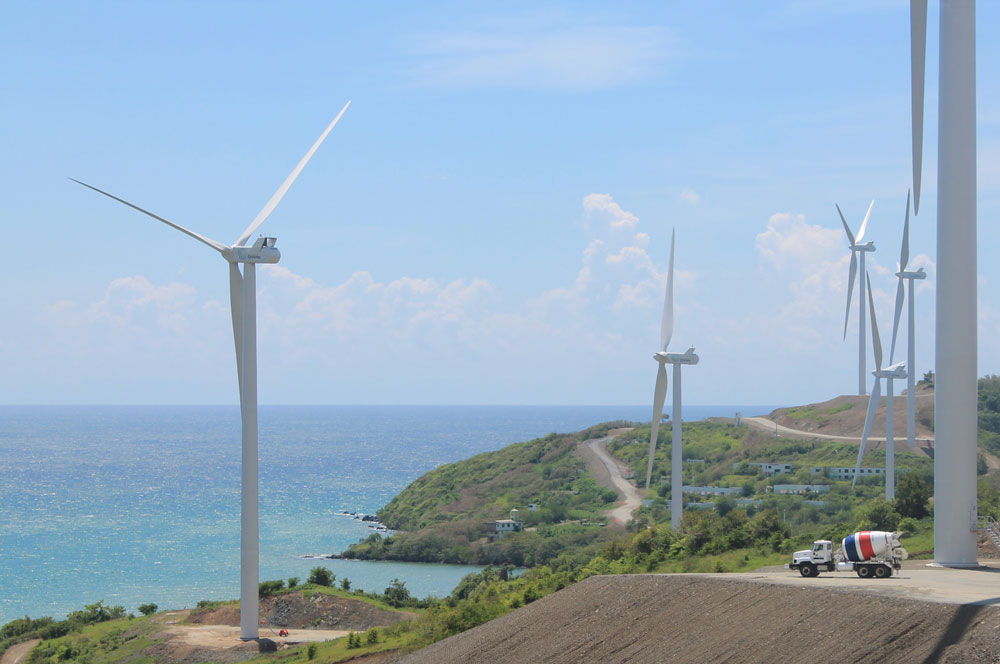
{"x":809,"y":561}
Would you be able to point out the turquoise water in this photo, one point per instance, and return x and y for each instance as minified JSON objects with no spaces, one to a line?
{"x":141,"y":504}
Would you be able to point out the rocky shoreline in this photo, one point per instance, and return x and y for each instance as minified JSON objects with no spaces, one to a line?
{"x":370,"y":520}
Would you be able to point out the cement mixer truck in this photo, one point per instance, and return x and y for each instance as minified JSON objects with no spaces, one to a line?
{"x":869,"y":553}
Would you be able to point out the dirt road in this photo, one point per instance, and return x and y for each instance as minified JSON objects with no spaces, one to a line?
{"x":17,"y":654}
{"x":224,"y":636}
{"x":594,"y":451}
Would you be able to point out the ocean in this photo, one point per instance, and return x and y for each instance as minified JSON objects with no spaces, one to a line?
{"x":140,"y":504}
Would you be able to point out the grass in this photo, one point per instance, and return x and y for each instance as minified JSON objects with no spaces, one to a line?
{"x":309,"y":590}
{"x":737,"y":560}
{"x":104,"y":643}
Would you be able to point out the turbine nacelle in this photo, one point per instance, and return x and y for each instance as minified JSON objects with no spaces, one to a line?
{"x":897,"y":370}
{"x":687,"y":357}
{"x":919,"y":274}
{"x":867,"y":246}
{"x":262,"y":251}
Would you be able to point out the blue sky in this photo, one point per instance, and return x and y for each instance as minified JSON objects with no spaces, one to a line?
{"x":490,"y":221}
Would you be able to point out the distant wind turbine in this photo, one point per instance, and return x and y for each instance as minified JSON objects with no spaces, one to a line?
{"x":243,"y":303}
{"x":857,"y":248}
{"x":660,"y":394}
{"x":904,"y":275}
{"x":894,"y":372}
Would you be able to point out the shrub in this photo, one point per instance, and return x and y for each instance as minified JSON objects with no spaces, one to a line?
{"x":311,"y":651}
{"x":321,"y":576}
{"x":265,"y":588}
{"x":147,"y":609}
{"x":293,"y":581}
{"x":345,"y":583}
{"x":371,"y":636}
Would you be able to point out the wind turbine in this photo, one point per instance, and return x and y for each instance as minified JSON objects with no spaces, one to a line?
{"x":904,"y":275}
{"x":857,"y":248}
{"x":664,"y":358}
{"x":955,"y":342}
{"x":892,"y":373}
{"x":243,"y":303}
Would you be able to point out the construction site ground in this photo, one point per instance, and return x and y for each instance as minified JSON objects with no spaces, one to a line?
{"x":922,"y":615}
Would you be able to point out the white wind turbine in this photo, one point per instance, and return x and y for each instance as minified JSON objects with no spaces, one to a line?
{"x":659,"y":395}
{"x":955,"y":339}
{"x":243,"y":303}
{"x":857,"y":248}
{"x":904,"y":275}
{"x":892,"y":373}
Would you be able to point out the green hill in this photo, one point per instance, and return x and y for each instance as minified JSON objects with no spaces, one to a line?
{"x":441,"y":516}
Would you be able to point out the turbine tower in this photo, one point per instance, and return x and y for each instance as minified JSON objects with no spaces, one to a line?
{"x":905,"y":276}
{"x":243,"y":304}
{"x":955,"y":350}
{"x":857,"y":248}
{"x":664,"y":358}
{"x":894,"y":372}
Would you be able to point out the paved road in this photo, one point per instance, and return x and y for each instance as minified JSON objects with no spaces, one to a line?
{"x":915,"y":581}
{"x":633,"y":499}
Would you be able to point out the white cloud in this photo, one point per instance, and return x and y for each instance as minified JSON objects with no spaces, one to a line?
{"x":602,"y":205}
{"x":689,"y":196}
{"x":538,"y":52}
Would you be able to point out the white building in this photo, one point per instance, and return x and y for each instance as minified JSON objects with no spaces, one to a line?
{"x":846,"y":473}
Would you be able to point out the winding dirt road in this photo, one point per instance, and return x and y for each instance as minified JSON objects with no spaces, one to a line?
{"x":595,"y":453}
{"x":17,"y":654}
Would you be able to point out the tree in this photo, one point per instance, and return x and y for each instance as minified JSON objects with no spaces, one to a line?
{"x":321,"y":576}
{"x":147,"y":609}
{"x":877,"y":514}
{"x":345,"y":583}
{"x":928,"y":379}
{"x":396,"y":594}
{"x":912,"y":494}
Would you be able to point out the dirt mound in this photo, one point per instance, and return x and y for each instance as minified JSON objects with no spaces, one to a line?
{"x":295,"y":611}
{"x":644,"y":619}
{"x":845,"y":416}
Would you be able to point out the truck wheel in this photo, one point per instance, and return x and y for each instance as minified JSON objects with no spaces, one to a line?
{"x":882,"y":571}
{"x":807,"y":570}
{"x":864,"y":571}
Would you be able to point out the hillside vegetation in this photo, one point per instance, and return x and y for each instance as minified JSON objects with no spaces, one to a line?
{"x":441,"y":516}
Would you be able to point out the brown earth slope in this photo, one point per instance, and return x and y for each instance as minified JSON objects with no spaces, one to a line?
{"x":845,"y":415}
{"x":295,"y":611}
{"x":648,"y":619}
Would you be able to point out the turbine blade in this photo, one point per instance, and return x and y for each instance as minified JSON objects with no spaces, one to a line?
{"x":895,"y":320}
{"x":850,"y":288}
{"x":218,"y":246}
{"x":278,"y":195}
{"x":667,"y":324}
{"x":869,"y":418}
{"x":659,"y":395}
{"x":864,"y":224}
{"x":236,"y":308}
{"x":918,"y":48}
{"x":876,"y":342}
{"x":904,"y":252}
{"x":847,"y":229}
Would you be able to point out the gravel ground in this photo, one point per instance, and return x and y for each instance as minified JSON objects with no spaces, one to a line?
{"x":691,"y":619}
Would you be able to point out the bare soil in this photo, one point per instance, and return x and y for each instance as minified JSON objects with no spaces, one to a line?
{"x":686,"y":619}
{"x":832,"y":420}
{"x":295,"y":611}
